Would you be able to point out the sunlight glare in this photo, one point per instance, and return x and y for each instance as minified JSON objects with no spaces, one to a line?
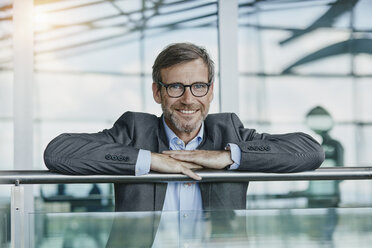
{"x":42,"y":20}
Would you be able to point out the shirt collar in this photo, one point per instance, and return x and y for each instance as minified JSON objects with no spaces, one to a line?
{"x":171,"y":135}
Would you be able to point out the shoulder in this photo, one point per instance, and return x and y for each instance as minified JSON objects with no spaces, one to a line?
{"x":224,"y":119}
{"x":223,"y":123}
{"x":230,"y":126}
{"x":137,"y":118}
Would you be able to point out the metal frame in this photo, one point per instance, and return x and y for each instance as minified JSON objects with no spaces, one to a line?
{"x":17,"y":218}
{"x":47,"y":177}
{"x":23,"y":83}
{"x":23,"y":60}
{"x":228,"y":55}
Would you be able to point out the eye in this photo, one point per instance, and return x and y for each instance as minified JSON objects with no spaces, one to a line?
{"x":175,"y":86}
{"x":199,"y":86}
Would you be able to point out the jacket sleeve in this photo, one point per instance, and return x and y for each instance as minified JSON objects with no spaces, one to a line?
{"x":106,"y":152}
{"x":292,"y":152}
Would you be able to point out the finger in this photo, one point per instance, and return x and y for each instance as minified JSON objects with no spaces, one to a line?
{"x":190,"y":173}
{"x":190,"y":159}
{"x":192,"y":166}
{"x":178,"y":152}
{"x":183,"y":157}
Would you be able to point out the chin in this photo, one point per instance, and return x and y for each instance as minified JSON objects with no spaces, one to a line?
{"x":188,"y":127}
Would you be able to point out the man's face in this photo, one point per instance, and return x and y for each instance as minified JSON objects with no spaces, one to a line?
{"x":186,"y":113}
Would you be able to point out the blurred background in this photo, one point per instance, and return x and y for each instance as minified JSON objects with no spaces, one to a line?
{"x":302,"y":66}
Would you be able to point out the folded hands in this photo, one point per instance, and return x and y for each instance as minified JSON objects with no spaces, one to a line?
{"x":185,"y":162}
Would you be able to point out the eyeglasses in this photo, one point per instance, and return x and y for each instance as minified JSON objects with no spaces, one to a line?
{"x":177,"y":89}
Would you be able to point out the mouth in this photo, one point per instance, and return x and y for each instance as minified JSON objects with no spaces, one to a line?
{"x":187,"y":112}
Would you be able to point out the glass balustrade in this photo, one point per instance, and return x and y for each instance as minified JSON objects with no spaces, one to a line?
{"x":4,"y":227}
{"x":332,"y":227}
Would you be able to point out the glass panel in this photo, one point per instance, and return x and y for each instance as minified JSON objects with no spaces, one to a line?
{"x":350,"y":227}
{"x":6,"y":94}
{"x":6,"y":144}
{"x":4,"y":225}
{"x":74,"y":198}
{"x":86,"y":97}
{"x":6,"y":114}
{"x":297,"y":90}
{"x":366,"y":144}
{"x":365,"y":99}
{"x":309,"y":194}
{"x":286,"y":99}
{"x":6,"y":86}
{"x":294,"y":57}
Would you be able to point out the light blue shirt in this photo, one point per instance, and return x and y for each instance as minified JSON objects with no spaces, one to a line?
{"x":182,"y":196}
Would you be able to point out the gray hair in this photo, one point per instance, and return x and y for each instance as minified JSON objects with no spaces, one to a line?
{"x":178,"y":53}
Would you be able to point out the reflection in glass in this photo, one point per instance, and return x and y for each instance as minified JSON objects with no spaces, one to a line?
{"x":242,"y":228}
{"x":4,"y":226}
{"x":287,"y":67}
{"x":325,"y":193}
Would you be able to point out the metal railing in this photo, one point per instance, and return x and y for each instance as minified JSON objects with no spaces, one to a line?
{"x":19,"y":178}
{"x":47,"y":177}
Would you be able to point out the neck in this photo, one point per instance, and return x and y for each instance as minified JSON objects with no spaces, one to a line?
{"x":187,"y":137}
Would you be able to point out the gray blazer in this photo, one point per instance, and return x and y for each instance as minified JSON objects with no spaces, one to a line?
{"x":115,"y":151}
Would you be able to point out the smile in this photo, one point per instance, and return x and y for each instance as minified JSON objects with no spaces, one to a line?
{"x":188,"y":112}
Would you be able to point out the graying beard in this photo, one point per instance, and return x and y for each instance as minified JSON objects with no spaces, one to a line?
{"x":182,"y":129}
{"x":179,"y":127}
{"x":175,"y":123}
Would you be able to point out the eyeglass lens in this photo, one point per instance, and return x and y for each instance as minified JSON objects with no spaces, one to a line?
{"x":197,"y":89}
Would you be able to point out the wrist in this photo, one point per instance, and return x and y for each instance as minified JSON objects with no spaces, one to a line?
{"x":228,"y":159}
{"x":154,"y":158}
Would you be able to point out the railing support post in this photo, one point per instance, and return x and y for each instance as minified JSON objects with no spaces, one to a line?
{"x":17,"y":216}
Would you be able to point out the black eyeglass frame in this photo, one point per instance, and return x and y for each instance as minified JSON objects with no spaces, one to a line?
{"x":184,"y":88}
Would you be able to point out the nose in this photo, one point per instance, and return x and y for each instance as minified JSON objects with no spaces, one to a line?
{"x":187,"y":96}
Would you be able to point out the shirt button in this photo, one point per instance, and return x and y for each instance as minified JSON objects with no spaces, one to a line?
{"x":185,"y":215}
{"x":186,"y":185}
{"x":179,"y":142}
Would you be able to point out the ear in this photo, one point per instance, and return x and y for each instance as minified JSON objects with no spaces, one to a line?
{"x":156,"y":93}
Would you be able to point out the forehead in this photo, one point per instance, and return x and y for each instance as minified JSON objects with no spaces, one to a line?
{"x":187,"y":72}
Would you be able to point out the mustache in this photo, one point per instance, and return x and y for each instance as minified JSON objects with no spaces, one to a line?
{"x":186,"y":106}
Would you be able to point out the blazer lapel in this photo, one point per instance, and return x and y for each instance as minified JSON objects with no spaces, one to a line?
{"x":163,"y":143}
{"x":205,"y":188}
{"x":207,"y":142}
{"x":161,"y":188}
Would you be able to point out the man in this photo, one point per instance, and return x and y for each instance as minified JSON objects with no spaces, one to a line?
{"x":182,"y":140}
